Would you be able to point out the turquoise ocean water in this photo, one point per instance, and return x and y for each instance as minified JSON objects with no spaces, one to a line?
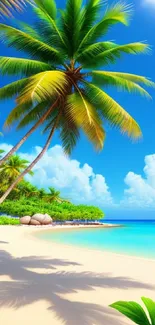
{"x":134,"y":238}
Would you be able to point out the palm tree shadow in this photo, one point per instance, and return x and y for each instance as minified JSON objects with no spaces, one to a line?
{"x":4,"y":242}
{"x":29,"y":286}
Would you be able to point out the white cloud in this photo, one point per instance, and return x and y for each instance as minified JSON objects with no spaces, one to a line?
{"x":76,"y":182}
{"x":141,"y":191}
{"x":149,"y":2}
{"x":80,"y":184}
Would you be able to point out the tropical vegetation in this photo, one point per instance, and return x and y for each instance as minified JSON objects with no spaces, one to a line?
{"x":135,"y":312}
{"x":63,"y":84}
{"x":10,"y":170}
{"x":59,"y":212}
{"x":9,"y":221}
{"x":28,"y":199}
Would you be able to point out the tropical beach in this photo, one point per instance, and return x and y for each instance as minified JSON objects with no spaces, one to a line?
{"x":77,"y":226}
{"x":61,"y":284}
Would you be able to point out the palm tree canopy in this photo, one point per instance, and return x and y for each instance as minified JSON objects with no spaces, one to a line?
{"x":13,"y":167}
{"x":65,"y":54}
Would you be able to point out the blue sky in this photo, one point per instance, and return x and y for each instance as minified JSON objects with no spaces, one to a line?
{"x":117,"y":174}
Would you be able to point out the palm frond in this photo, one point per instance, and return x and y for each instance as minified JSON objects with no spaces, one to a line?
{"x":26,"y":28}
{"x":17,"y":113}
{"x":71,"y":20}
{"x":69,"y":133}
{"x":112,"y":111}
{"x":43,"y":86}
{"x":50,"y":29}
{"x":26,"y":67}
{"x":85,"y":116}
{"x":90,"y":14}
{"x":47,"y":6}
{"x":8,"y":6}
{"x":90,"y":53}
{"x":110,"y":55}
{"x":117,"y":13}
{"x":13,"y":88}
{"x":122,"y":81}
{"x":33,"y":115}
{"x":22,"y":41}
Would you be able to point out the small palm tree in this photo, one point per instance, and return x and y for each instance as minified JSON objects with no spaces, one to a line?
{"x":41,"y":193}
{"x":63,"y":85}
{"x":135,"y":312}
{"x":27,"y":189}
{"x":53,"y":195}
{"x":12,"y":168}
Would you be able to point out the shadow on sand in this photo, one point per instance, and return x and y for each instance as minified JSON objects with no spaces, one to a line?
{"x":28,"y":287}
{"x":4,"y":242}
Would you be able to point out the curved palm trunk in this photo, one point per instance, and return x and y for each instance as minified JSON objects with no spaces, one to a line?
{"x":20,"y":143}
{"x":34,"y":162}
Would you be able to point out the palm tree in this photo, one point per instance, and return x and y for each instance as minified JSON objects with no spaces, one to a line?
{"x":53,"y":195}
{"x":41,"y":194}
{"x":27,"y":189}
{"x":63,"y":86}
{"x":7,"y":6}
{"x":13,"y":168}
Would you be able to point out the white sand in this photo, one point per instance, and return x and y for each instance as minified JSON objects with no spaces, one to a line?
{"x":52,"y":284}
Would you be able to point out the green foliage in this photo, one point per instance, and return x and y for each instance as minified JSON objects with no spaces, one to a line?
{"x":135,"y":312}
{"x":27,"y":199}
{"x":59,"y":212}
{"x":9,"y":221}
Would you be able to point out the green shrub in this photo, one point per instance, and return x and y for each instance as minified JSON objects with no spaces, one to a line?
{"x":9,"y":221}
{"x":61,"y":212}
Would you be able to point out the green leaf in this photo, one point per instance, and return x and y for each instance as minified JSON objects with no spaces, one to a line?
{"x":133,"y":311}
{"x":69,"y":133}
{"x":112,"y":111}
{"x":123,"y":81}
{"x":17,"y":113}
{"x":90,"y":53}
{"x":71,"y":20}
{"x":118,"y":13}
{"x":33,"y":115}
{"x":85,"y":116}
{"x":25,"y":42}
{"x":43,"y":86}
{"x":90,"y":14}
{"x":49,"y":26}
{"x":48,"y":6}
{"x":26,"y":67}
{"x":13,"y":89}
{"x":110,"y":55}
{"x":150,"y":305}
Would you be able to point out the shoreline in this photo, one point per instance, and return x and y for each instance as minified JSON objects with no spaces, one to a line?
{"x":57,"y":284}
{"x":143,"y":258}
